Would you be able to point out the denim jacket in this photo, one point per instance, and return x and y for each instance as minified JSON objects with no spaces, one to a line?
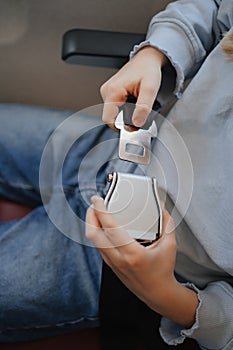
{"x":189,"y":33}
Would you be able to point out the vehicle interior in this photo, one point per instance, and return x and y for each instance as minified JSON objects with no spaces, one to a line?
{"x":32,"y":69}
{"x":38,"y":67}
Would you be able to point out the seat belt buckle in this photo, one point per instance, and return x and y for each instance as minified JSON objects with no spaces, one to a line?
{"x":135,"y":146}
{"x":134,"y":202}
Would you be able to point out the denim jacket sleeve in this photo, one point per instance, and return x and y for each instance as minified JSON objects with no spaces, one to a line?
{"x":185,"y":32}
{"x":213,"y":327}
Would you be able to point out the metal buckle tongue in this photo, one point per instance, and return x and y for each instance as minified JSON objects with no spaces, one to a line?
{"x":135,"y":146}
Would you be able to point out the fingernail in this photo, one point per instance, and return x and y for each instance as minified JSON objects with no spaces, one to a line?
{"x":138,"y":121}
{"x":94,"y":199}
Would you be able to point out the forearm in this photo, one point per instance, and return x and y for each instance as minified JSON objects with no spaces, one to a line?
{"x":185,"y":32}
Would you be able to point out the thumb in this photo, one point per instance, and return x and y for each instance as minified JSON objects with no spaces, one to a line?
{"x":168,"y":223}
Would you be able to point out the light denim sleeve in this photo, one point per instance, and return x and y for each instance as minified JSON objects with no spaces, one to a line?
{"x":185,"y":32}
{"x":213,"y":327}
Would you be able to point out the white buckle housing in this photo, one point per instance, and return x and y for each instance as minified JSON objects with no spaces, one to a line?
{"x":133,"y":200}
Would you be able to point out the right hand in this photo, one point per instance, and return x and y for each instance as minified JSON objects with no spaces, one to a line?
{"x":140,"y":77}
{"x":135,"y":264}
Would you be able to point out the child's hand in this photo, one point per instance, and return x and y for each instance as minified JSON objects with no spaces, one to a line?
{"x":147,"y":271}
{"x":144,"y":270}
{"x":140,"y":77}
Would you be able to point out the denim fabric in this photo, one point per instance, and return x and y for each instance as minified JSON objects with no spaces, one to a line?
{"x":48,"y":282}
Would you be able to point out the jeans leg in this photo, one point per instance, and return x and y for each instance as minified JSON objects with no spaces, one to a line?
{"x":23,"y":134}
{"x":49,"y":284}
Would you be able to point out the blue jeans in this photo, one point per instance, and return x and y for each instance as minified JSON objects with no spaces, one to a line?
{"x":49,"y":283}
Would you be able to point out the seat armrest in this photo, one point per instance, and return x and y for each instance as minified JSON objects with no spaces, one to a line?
{"x":98,"y":48}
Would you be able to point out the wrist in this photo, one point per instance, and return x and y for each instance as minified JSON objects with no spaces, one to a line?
{"x":154,"y":53}
{"x":176,"y":302}
{"x":187,"y":302}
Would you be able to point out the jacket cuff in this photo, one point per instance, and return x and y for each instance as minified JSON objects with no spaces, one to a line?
{"x":173,"y":333}
{"x":209,"y":330}
{"x":180,"y":47}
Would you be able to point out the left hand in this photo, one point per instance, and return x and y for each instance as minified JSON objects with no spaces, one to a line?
{"x":146,"y":271}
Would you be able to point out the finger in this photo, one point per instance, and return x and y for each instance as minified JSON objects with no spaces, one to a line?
{"x":114,"y":96}
{"x":115,"y":233}
{"x":145,"y":101}
{"x":167,"y":230}
{"x":94,"y":232}
{"x":105,"y":219}
{"x":110,"y":111}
